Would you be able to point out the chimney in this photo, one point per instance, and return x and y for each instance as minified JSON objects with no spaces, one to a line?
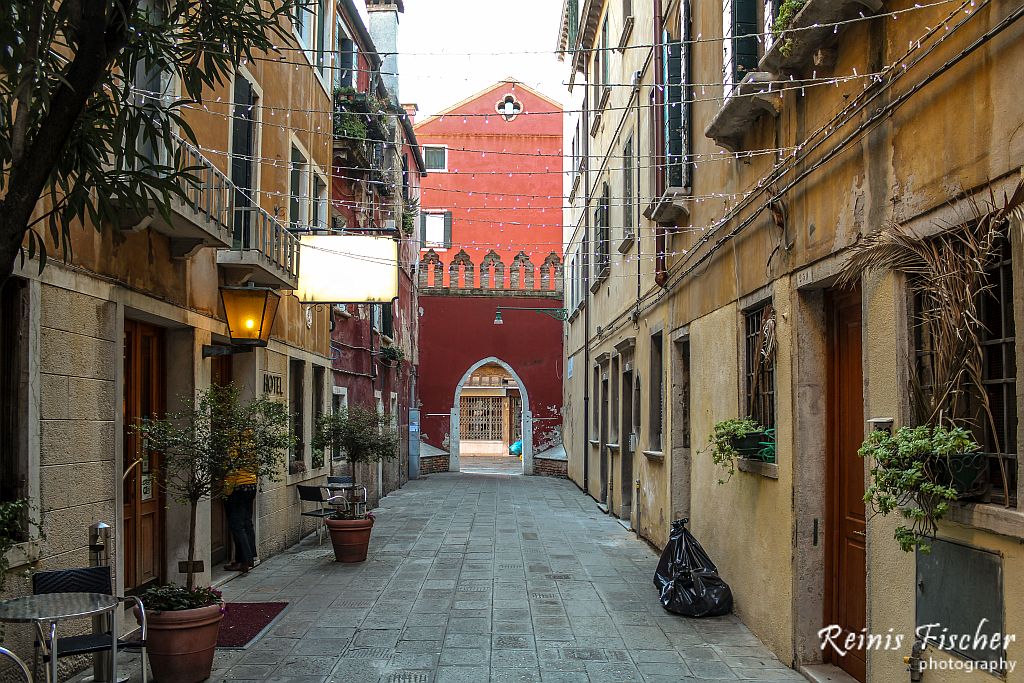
{"x":411,"y":110}
{"x":384,"y":32}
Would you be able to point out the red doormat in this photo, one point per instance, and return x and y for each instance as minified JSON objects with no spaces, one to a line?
{"x":244,"y":621}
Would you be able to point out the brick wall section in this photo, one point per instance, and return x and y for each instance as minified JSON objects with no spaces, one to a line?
{"x":433,"y":464}
{"x":551,"y":468}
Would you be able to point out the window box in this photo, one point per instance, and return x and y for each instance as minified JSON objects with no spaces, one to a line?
{"x":626,"y":243}
{"x":793,"y":51}
{"x":768,"y":470}
{"x":670,"y":207}
{"x":654,"y":455}
{"x":602,"y":275}
{"x":751,"y":99}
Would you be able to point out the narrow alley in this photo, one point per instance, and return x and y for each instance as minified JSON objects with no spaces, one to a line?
{"x":476,"y":578}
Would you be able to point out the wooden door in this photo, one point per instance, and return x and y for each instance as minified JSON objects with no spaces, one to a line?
{"x":625,"y":444}
{"x":220,"y":534}
{"x":845,"y":530}
{"x":144,"y":381}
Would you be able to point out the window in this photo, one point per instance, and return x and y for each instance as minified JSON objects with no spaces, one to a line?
{"x":310,"y":29}
{"x":321,"y":37}
{"x":613,"y":416}
{"x":435,"y":158}
{"x":436,"y":230}
{"x":627,"y":190}
{"x":345,"y":75}
{"x":509,"y":107}
{"x":321,"y":217}
{"x":244,"y":150}
{"x":298,"y":199}
{"x":675,"y":117}
{"x":997,"y":438}
{"x":387,"y":319}
{"x":601,"y":72}
{"x":601,"y":230}
{"x":319,"y":379}
{"x":657,"y":393}
{"x":339,"y":403}
{"x":759,"y":372}
{"x":296,"y":396}
{"x":681,"y":394}
{"x":595,"y":404}
{"x":741,"y":44}
{"x":13,"y":390}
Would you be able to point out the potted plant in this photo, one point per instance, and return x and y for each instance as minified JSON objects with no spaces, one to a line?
{"x":740,"y":438}
{"x":198,"y":447}
{"x":391,"y":356}
{"x":362,"y":436}
{"x":14,"y":520}
{"x":911,"y":474}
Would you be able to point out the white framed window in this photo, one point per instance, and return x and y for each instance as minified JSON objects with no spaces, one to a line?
{"x":435,"y":229}
{"x":298,"y":189}
{"x":321,"y":217}
{"x":435,"y":157}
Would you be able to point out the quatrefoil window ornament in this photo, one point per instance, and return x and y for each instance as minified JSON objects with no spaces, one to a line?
{"x":509,"y":107}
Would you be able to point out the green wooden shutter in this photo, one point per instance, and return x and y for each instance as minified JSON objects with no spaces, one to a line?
{"x":423,"y":230}
{"x":674,"y":116}
{"x":447,"y":229}
{"x":321,"y":35}
{"x":348,"y":64}
{"x":744,"y":42}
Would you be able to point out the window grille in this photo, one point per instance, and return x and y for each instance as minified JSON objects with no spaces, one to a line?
{"x":517,"y":418}
{"x":759,"y":343}
{"x":999,"y":368}
{"x":480,"y":418}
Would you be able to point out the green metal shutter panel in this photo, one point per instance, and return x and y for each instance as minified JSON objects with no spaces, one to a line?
{"x":321,"y":35}
{"x":744,"y":42}
{"x":447,"y":229}
{"x":686,"y":97}
{"x":241,"y":167}
{"x":674,"y":115}
{"x":346,"y":77}
{"x":423,"y":230}
{"x":574,"y":23}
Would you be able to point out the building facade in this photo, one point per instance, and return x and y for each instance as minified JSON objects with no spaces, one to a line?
{"x":490,"y":240}
{"x":722,"y":178}
{"x":375,"y":191}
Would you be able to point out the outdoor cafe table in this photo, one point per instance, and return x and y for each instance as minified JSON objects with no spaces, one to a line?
{"x":46,"y":610}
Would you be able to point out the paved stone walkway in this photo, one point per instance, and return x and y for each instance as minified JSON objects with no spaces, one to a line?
{"x":477,"y":578}
{"x":490,"y":464}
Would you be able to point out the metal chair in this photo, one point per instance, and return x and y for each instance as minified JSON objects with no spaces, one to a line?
{"x":315,"y":494}
{"x":22,"y":666}
{"x":88,"y":580}
{"x":346,"y":483}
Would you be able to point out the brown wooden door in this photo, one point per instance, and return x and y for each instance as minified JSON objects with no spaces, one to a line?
{"x":845,"y":530}
{"x":144,"y":380}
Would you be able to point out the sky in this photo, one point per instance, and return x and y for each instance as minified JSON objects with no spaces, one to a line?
{"x":483,"y":29}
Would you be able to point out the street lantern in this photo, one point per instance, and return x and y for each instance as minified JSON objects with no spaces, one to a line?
{"x":497,"y":318}
{"x":250,"y":312}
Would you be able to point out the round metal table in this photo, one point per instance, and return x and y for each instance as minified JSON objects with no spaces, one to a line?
{"x":46,"y":610}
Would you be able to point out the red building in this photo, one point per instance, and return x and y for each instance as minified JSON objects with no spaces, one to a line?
{"x":490,"y":238}
{"x":375,"y":190}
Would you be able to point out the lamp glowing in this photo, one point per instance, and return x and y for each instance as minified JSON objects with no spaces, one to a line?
{"x":250,"y":313}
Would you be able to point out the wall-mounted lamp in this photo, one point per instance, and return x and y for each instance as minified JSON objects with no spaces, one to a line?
{"x":556,"y":313}
{"x":250,"y":313}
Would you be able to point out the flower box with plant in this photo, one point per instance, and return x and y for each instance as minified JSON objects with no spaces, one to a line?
{"x":361,"y":436}
{"x":198,"y":448}
{"x":391,"y":356}
{"x":911,"y":474}
{"x":740,"y":438}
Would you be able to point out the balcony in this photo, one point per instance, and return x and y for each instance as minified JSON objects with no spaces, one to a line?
{"x":749,"y":100}
{"x":202,"y":218}
{"x":262,"y":250}
{"x":809,"y":42}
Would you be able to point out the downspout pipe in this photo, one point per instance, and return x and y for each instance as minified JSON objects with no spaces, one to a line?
{"x":586,"y":275}
{"x":660,"y":95}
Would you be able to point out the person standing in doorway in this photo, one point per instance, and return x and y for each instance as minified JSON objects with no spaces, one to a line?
{"x":239,"y":500}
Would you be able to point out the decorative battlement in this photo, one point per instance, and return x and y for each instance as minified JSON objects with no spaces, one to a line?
{"x":461,"y":274}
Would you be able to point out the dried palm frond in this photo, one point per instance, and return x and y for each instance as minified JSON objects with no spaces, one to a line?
{"x":948,"y":274}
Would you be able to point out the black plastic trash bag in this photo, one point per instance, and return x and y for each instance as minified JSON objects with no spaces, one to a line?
{"x":687,"y":578}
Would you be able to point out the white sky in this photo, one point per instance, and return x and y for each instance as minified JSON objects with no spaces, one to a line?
{"x":483,"y":28}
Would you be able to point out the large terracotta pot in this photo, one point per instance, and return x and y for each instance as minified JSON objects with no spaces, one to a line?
{"x":350,"y":538}
{"x":181,"y":644}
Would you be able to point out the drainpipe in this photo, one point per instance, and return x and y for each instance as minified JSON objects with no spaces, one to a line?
{"x":586,"y":276}
{"x":660,"y":265}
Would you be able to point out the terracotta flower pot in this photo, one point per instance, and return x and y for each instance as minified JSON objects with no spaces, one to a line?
{"x":350,"y":538}
{"x":181,"y":644}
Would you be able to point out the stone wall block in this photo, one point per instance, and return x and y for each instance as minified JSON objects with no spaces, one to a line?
{"x":91,"y":399}
{"x":54,"y":396}
{"x":67,"y":441}
{"x":76,"y":484}
{"x":67,"y":529}
{"x":77,"y":355}
{"x":69,"y":311}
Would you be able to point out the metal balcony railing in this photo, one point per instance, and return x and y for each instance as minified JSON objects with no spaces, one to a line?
{"x":213,"y":195}
{"x":255,"y":229}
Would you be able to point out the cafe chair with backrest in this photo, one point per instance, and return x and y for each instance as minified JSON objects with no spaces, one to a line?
{"x":88,"y":580}
{"x":20,"y":665}
{"x":346,"y":483}
{"x":323,"y":502}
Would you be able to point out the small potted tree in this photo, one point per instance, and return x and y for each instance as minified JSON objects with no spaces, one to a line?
{"x":362,"y":436}
{"x":198,"y":447}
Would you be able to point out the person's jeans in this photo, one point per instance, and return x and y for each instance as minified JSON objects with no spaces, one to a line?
{"x":239,"y":508}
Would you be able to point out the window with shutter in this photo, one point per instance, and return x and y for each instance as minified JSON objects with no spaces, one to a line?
{"x":298,"y":200}
{"x":347,"y":66}
{"x":673,"y":116}
{"x":423,"y":230}
{"x":573,"y":8}
{"x":321,"y":37}
{"x":627,"y":190}
{"x":447,"y":229}
{"x":243,"y":153}
{"x":744,"y":39}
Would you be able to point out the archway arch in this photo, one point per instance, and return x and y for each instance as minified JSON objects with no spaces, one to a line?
{"x":527,"y":423}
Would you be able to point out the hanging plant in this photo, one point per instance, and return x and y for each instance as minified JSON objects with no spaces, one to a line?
{"x":391,"y":356}
{"x":739,"y":438}
{"x":787,"y":12}
{"x":349,"y":125}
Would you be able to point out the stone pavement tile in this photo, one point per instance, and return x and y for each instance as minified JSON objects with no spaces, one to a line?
{"x":520,"y":627}
{"x":462,"y":674}
{"x":275,"y":678}
{"x":766,"y":661}
{"x":306,"y":666}
{"x":477,"y":641}
{"x":351,"y":670}
{"x":464,"y":656}
{"x":612,"y":672}
{"x":321,"y":646}
{"x":422,"y":632}
{"x":427,"y":646}
{"x":263,"y":657}
{"x":515,"y":676}
{"x":249,"y":672}
{"x":645,"y":656}
{"x":564,"y":677}
{"x":507,"y":641}
{"x":770,"y":675}
{"x":677,"y":669}
{"x":439,"y":618}
{"x":376,"y":638}
{"x":513,"y":659}
{"x":644,"y":636}
{"x":710,"y":670}
{"x":469,"y":625}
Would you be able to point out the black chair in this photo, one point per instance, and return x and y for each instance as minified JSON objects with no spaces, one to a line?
{"x":347,"y":483}
{"x":22,"y":667}
{"x":316,"y":495}
{"x":88,"y":580}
